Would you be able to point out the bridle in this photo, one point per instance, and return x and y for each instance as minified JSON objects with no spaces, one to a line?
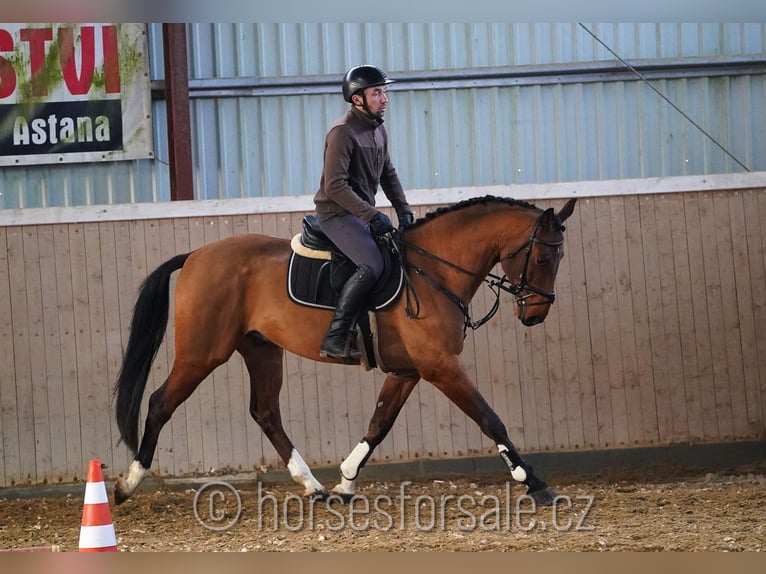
{"x":521,"y":289}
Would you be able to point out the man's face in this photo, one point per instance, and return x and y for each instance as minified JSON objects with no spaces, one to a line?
{"x":377,"y":100}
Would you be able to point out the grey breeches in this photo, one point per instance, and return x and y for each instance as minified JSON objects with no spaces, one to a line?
{"x":353,"y":238}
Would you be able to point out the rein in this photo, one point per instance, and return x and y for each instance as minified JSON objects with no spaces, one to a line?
{"x":494,"y":282}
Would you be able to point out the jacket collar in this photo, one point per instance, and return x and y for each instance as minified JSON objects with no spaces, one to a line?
{"x":363,"y":117}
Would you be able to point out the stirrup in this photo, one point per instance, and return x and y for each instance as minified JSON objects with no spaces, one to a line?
{"x":330,"y":351}
{"x":350,"y":350}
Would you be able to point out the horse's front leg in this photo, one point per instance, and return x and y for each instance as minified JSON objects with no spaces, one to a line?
{"x":451,"y":380}
{"x":396,"y":389}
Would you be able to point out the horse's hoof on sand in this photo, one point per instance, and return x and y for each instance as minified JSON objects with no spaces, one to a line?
{"x":318,"y":496}
{"x":340,"y":497}
{"x":119,"y":492}
{"x":544,"y":497}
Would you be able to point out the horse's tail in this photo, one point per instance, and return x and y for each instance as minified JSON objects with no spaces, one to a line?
{"x":147,"y":329}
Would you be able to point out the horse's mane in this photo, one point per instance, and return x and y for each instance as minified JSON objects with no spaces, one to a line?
{"x":468,"y":203}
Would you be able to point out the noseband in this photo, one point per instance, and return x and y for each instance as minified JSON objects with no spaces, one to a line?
{"x":517,"y":289}
{"x":521,"y":290}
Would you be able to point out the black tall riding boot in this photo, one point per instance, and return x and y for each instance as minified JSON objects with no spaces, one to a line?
{"x":336,"y":342}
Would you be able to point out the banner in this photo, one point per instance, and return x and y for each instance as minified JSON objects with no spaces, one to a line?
{"x":74,"y":93}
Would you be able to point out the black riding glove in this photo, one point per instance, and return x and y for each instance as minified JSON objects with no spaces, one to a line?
{"x":381,"y":224}
{"x":405,"y":219}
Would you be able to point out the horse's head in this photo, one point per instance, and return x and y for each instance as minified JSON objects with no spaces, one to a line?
{"x":532,"y":266}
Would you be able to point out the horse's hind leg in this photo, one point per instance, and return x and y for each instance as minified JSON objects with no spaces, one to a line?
{"x":264,"y":364}
{"x":455,"y":384}
{"x":183,"y":379}
{"x":392,"y":396}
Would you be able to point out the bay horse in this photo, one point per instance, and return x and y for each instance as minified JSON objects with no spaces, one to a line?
{"x":231,"y":296}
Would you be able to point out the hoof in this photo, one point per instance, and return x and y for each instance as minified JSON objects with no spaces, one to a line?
{"x":318,"y":495}
{"x":544,"y":497}
{"x":120,"y":494}
{"x":342,"y":497}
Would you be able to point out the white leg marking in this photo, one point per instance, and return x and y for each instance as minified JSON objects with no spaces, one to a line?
{"x":518,"y":473}
{"x":345,"y":486}
{"x":136,"y":474}
{"x":301,"y":474}
{"x":349,"y":468}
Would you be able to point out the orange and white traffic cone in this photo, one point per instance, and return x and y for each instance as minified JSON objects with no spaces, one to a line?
{"x":97,"y":529}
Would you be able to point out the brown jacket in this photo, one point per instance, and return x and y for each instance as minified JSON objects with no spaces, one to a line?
{"x":356,"y":161}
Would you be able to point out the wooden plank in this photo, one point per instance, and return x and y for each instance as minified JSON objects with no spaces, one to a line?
{"x":75,"y":462}
{"x":9,"y":437}
{"x":26,"y":470}
{"x":748,"y":348}
{"x":584,"y":388}
{"x":606,"y":233}
{"x":37,"y":373}
{"x":657,"y":356}
{"x":732,"y":333}
{"x":715,"y":308}
{"x":96,"y":385}
{"x":758,"y":204}
{"x":671,"y":343}
{"x":635,"y":329}
{"x":542,"y":387}
{"x":696,"y":236}
{"x":572,"y":436}
{"x":556,"y":377}
{"x":689,"y":382}
{"x":82,"y":336}
{"x":644,"y":410}
{"x":52,"y":353}
{"x":755,"y":214}
{"x":597,"y":321}
{"x":630,"y":418}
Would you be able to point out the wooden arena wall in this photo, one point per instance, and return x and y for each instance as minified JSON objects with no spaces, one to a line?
{"x":658,"y":336}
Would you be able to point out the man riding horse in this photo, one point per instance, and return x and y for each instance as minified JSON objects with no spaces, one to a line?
{"x":356,"y":162}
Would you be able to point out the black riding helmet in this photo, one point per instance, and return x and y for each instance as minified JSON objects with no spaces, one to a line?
{"x":361,"y":77}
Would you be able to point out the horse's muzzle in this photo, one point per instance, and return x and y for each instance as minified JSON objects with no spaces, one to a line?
{"x":532,"y":320}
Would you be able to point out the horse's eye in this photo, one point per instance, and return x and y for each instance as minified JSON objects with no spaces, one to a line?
{"x":542,"y":261}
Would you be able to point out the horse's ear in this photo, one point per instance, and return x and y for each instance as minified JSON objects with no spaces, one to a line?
{"x":548,"y":219}
{"x":567,"y":210}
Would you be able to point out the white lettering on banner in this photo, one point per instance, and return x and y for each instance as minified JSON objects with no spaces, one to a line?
{"x":64,"y":130}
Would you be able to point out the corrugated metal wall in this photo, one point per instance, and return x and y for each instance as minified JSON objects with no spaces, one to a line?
{"x":545,"y":126}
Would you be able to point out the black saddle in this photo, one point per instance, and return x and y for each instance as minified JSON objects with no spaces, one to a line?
{"x":318,"y":270}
